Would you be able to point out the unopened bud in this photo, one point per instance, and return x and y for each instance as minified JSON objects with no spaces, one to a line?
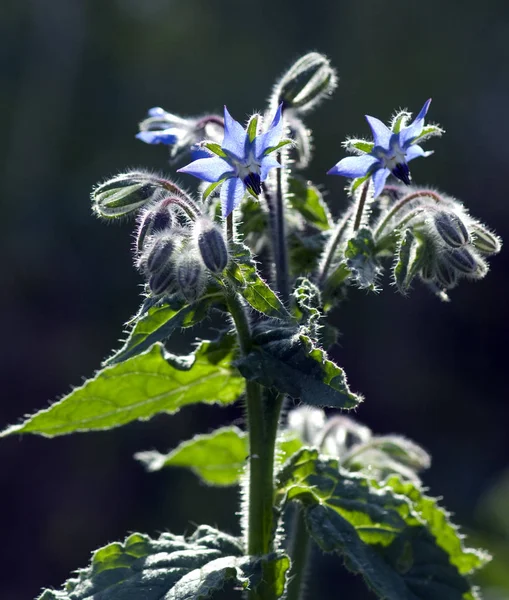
{"x":163,"y":281}
{"x":445,"y":275}
{"x":191,"y":277}
{"x":212,"y":246}
{"x":155,"y":220}
{"x":451,"y":229}
{"x":125,"y":194}
{"x":462,"y":259}
{"x":159,"y":254}
{"x":307,"y":82}
{"x":485,"y":241}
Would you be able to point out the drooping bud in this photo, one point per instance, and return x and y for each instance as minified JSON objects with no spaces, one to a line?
{"x":154,"y":220}
{"x":308,"y":81}
{"x":484,"y":240}
{"x":125,"y":193}
{"x":160,"y":253}
{"x":451,"y":229}
{"x":191,"y":276}
{"x":445,"y":274}
{"x":462,"y":259}
{"x":163,"y":281}
{"x":212,"y":245}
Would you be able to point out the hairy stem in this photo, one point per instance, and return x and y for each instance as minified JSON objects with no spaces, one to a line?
{"x":279,"y":235}
{"x":332,"y":246}
{"x":360,"y":206}
{"x":299,"y":550}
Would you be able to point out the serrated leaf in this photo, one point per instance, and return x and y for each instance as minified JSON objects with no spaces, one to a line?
{"x":160,"y":321}
{"x":360,"y":254}
{"x":288,"y":360}
{"x":168,"y":568}
{"x":243,"y":274}
{"x":307,"y":200}
{"x":381,"y":531}
{"x":308,"y":304}
{"x":218,"y":458}
{"x":141,"y":387}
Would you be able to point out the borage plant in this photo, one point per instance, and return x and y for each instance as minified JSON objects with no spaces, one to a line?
{"x":257,"y":246}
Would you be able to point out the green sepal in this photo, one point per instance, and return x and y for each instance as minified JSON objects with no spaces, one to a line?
{"x":361,"y":260}
{"x":427,"y":132}
{"x":281,"y":144}
{"x":287,"y":359}
{"x":210,"y":188}
{"x":400,"y":120}
{"x":412,"y":253}
{"x":382,"y":531}
{"x":244,"y":277}
{"x":358,"y":146}
{"x":215,"y":149}
{"x":160,"y":320}
{"x":357,"y":182}
{"x":218,"y":458}
{"x":308,"y":201}
{"x":141,"y":387}
{"x":171,"y":567}
{"x":252,"y":127}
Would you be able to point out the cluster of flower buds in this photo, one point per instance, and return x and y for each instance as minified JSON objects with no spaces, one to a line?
{"x":355,"y":446}
{"x":176,"y":253}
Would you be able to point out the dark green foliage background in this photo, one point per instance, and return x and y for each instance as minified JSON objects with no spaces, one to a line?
{"x":75,"y":78}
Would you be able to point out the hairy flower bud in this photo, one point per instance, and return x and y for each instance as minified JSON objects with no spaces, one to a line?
{"x":462,"y":260}
{"x":163,"y":281}
{"x":160,"y":253}
{"x":307,"y":82}
{"x":451,"y":229}
{"x":212,"y":245}
{"x":154,"y":220}
{"x":125,"y":194}
{"x":484,"y":240}
{"x":445,"y":275}
{"x":190,"y":275}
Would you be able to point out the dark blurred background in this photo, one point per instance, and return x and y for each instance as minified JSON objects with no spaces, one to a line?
{"x":76,"y":77}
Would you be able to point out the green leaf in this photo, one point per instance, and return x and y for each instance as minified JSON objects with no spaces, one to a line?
{"x":412,"y":253}
{"x":305,"y":251}
{"x":288,"y":360}
{"x":281,"y":144}
{"x":360,"y":254}
{"x":215,"y":149}
{"x":403,"y":546}
{"x":243,"y":275}
{"x":170,"y":567}
{"x":252,"y":127}
{"x":307,"y":200}
{"x":218,"y":458}
{"x":141,"y":387}
{"x":308,"y":305}
{"x":160,"y":321}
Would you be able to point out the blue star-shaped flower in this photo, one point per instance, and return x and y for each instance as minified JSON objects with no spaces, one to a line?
{"x":242,"y":161}
{"x":391,"y":152}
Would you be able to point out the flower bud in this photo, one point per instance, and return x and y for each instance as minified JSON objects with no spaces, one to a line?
{"x":160,"y":253}
{"x":451,"y":229}
{"x":212,"y":245}
{"x":307,"y":82}
{"x":445,"y":275}
{"x":163,"y":281}
{"x":483,"y":240}
{"x":124,"y":194}
{"x":191,"y":277}
{"x":462,"y":260}
{"x":154,"y":220}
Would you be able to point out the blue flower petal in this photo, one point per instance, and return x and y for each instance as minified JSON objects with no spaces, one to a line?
{"x":235,"y":137}
{"x":209,"y":169}
{"x":414,"y":151}
{"x":268,"y":163}
{"x":407,"y":134}
{"x":381,"y":133}
{"x":157,"y":111}
{"x":271,"y":137}
{"x":379,"y":179}
{"x":354,"y":166}
{"x":158,"y":137}
{"x":232,"y":192}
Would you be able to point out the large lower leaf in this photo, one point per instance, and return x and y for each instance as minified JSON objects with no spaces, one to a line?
{"x":305,"y":198}
{"x":287,"y":359}
{"x":404,"y":546}
{"x":141,"y":387}
{"x":218,"y":458}
{"x":160,"y":321}
{"x":168,"y":568}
